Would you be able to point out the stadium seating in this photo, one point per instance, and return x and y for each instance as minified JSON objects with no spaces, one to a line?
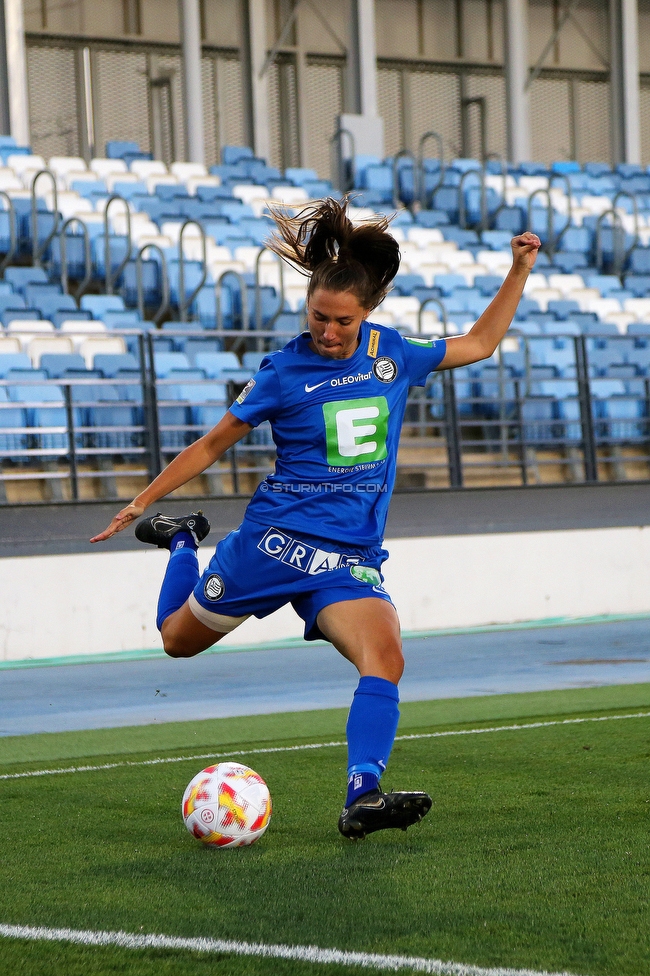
{"x":585,"y":297}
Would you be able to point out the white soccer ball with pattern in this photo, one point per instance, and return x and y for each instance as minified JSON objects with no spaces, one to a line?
{"x":228,"y":805}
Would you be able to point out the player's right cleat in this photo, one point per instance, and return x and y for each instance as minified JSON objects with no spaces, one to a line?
{"x":378,"y":811}
{"x":159,"y":530}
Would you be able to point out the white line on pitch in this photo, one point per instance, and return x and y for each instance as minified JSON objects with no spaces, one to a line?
{"x":314,"y":954}
{"x":314,"y":745}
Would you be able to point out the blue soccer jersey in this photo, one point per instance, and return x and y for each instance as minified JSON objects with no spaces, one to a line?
{"x":336,"y":424}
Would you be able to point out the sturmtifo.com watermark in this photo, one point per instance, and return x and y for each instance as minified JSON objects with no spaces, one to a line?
{"x":322,"y":488}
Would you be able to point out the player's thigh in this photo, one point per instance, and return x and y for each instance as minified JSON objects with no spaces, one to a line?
{"x":367,"y":632}
{"x":184,"y":636}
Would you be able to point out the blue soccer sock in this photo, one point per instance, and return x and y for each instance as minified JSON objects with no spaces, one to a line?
{"x":181,"y":576}
{"x":371,"y":729}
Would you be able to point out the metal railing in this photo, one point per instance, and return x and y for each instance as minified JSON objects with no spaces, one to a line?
{"x":514,"y":420}
{"x":184,"y":300}
{"x":620,"y":253}
{"x":553,"y":235}
{"x":344,"y":179}
{"x":111,"y":277}
{"x":425,"y":196}
{"x":39,"y":248}
{"x":163,"y":308}
{"x":88,"y":258}
{"x":13,"y":234}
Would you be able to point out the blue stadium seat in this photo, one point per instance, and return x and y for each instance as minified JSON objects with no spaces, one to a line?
{"x":56,"y":363}
{"x":44,"y":416}
{"x":111,"y":363}
{"x":496,"y":391}
{"x":191,"y":347}
{"x":235,"y":154}
{"x":108,"y":412}
{"x":13,"y":360}
{"x":527,"y":306}
{"x":405,"y":283}
{"x":214,"y":363}
{"x":431,"y":218}
{"x":600,"y":328}
{"x":288,"y":323}
{"x":208,"y":403}
{"x":69,"y":315}
{"x":11,"y":417}
{"x":566,"y":166}
{"x":98,"y":304}
{"x":556,"y":352}
{"x":252,"y":360}
{"x":20,"y":277}
{"x":577,"y":239}
{"x":448,"y":282}
{"x":166,"y":361}
{"x":193,"y":272}
{"x":12,"y":300}
{"x":640,"y":260}
{"x":511,"y":219}
{"x":562,"y":328}
{"x":128,"y":189}
{"x":563,"y":308}
{"x":117,"y":148}
{"x":616,"y":412}
{"x":13,"y":314}
{"x":122,"y":320}
{"x":299,"y":175}
{"x":496,"y":240}
{"x":464,"y":389}
{"x":464,"y":238}
{"x":604,"y":283}
{"x":638,"y":329}
{"x":488,"y":285}
{"x":49,"y":305}
{"x":570,"y":261}
{"x":638,"y":284}
{"x":34,"y":292}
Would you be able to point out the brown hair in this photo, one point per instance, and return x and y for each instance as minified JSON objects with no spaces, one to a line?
{"x":322,"y":242}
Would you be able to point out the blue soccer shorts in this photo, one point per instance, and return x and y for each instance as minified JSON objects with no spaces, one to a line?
{"x":257,"y":569}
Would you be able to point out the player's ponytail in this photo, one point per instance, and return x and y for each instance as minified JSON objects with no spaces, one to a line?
{"x":322,"y":242}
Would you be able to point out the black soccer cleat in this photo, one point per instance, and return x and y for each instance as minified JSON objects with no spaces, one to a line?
{"x":377,"y":811}
{"x":159,"y":530}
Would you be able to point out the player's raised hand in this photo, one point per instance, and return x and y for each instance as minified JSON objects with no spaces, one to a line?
{"x":121,"y":521}
{"x":524,"y":250}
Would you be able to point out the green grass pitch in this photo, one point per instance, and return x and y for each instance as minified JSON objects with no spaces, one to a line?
{"x":535,"y":853}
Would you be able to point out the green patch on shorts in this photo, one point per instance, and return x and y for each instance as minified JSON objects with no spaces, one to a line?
{"x":366,"y":574}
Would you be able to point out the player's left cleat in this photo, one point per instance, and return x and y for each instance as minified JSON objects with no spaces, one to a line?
{"x":378,"y":811}
{"x":159,"y":530}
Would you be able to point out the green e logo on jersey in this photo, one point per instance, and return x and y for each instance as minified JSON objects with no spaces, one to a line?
{"x":356,"y":430}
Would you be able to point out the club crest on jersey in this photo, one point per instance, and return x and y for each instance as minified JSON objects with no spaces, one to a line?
{"x":385,"y":369}
{"x":214,"y":588}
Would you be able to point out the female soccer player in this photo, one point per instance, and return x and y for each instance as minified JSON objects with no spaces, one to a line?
{"x":312,"y":533}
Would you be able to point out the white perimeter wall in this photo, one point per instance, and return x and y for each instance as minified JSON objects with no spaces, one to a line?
{"x":91,"y":604}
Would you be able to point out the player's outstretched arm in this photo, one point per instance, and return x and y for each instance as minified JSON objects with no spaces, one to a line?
{"x":185,"y":466}
{"x":486,"y":334}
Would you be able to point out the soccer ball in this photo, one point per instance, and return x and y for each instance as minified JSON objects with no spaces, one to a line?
{"x":228,"y":805}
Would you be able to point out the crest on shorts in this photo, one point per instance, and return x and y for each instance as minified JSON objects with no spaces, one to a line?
{"x":366,"y":574}
{"x":214,"y":588}
{"x":385,"y":369}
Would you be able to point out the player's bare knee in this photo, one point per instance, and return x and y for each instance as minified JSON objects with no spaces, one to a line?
{"x":173,"y":643}
{"x":396,"y":664}
{"x":174,"y":648}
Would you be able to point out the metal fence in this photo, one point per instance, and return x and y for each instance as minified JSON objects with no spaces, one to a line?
{"x":514,"y":421}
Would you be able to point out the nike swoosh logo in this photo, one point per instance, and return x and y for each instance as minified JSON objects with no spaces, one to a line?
{"x":309,"y":389}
